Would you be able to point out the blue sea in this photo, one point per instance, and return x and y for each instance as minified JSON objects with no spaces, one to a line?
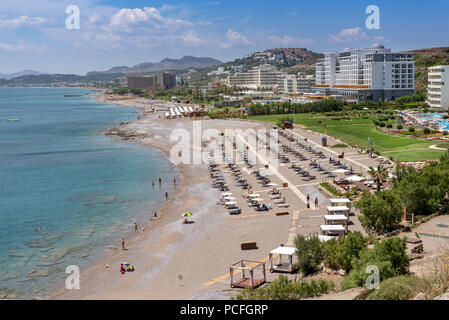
{"x":67,"y":192}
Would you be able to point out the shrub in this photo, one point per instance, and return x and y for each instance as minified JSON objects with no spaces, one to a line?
{"x":445,"y":133}
{"x":411,"y":129}
{"x":389,"y":126}
{"x":397,"y":288}
{"x":310,"y":254}
{"x":340,"y":253}
{"x":389,"y":256}
{"x":284,"y":289}
{"x":382,"y":124}
{"x":380,"y":213}
{"x":400,"y":127}
{"x":426,"y":131}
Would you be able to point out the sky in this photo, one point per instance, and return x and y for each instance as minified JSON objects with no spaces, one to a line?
{"x":34,"y":34}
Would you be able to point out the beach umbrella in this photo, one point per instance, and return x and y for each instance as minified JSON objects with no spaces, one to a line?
{"x":258,"y":199}
{"x":128,"y":266}
{"x":229,"y":198}
{"x":226,"y":194}
{"x":187,"y":214}
{"x":254,"y":195}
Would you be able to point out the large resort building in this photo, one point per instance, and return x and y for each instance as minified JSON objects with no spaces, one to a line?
{"x":295,"y":84}
{"x":162,"y":80}
{"x":438,"y":89}
{"x":366,"y":74}
{"x":261,"y":77}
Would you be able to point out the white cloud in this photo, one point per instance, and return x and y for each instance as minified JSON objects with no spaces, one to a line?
{"x":286,"y":40}
{"x":348,"y":35}
{"x":22,"y":47}
{"x":191,"y":39}
{"x":23,"y":21}
{"x":235,"y":39}
{"x":150,"y":17}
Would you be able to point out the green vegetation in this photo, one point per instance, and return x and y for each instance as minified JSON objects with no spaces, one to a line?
{"x":284,"y":289}
{"x":340,"y":253}
{"x":339,"y":145}
{"x":423,"y":192}
{"x":381,"y":213}
{"x":310,"y":254}
{"x":334,"y":191}
{"x":389,"y":256}
{"x":354,"y":128}
{"x":398,"y":288}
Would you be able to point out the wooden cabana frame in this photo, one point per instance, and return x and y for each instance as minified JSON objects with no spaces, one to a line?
{"x":247,"y":270}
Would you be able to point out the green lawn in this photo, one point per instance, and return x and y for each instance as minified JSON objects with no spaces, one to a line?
{"x":356,"y":132}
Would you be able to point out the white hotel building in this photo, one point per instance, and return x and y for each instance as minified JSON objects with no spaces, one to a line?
{"x":366,"y":74}
{"x":261,"y":77}
{"x":438,"y":89}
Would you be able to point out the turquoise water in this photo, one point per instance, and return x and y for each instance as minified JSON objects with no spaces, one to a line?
{"x":436,"y":117}
{"x":67,"y":193}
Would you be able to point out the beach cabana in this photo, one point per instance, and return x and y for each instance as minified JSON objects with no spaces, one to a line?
{"x":333,"y":230}
{"x":341,"y":202}
{"x":341,"y":210}
{"x":284,"y":265}
{"x":247,"y":274}
{"x":336,"y":220}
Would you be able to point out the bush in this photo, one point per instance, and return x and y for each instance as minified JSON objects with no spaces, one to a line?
{"x":340,"y":253}
{"x":284,"y":289}
{"x":389,"y":126}
{"x":397,"y":288}
{"x":310,"y":254}
{"x":382,"y":124}
{"x":426,"y":131}
{"x":380,"y":213}
{"x":400,"y":127}
{"x":389,"y":256}
{"x":411,"y":129}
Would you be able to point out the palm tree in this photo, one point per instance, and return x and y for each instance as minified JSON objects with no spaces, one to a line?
{"x":379,"y":174}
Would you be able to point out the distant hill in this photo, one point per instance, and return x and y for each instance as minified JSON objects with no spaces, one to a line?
{"x":425,"y":58}
{"x":291,"y":60}
{"x":185,"y":63}
{"x":20,"y":74}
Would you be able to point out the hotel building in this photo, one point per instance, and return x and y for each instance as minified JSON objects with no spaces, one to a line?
{"x":162,"y":80}
{"x":295,"y":84}
{"x":438,"y":89}
{"x":366,"y":74}
{"x":261,"y":77}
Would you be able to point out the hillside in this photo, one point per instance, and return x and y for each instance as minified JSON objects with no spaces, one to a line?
{"x":185,"y":63}
{"x":425,"y":58}
{"x":20,"y":74}
{"x":290,"y":60}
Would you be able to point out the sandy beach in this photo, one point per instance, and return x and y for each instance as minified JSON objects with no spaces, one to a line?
{"x":176,"y":261}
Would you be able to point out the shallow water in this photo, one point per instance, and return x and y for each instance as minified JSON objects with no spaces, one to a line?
{"x":67,"y":193}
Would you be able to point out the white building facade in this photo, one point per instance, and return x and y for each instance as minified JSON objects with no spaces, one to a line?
{"x":438,"y":88}
{"x":366,"y":74}
{"x":295,"y":84}
{"x":261,"y":77}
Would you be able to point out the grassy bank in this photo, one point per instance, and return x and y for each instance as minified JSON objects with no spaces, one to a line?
{"x":356,"y":131}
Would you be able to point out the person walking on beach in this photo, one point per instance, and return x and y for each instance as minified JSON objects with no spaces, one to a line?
{"x":153,"y":184}
{"x":174,"y":181}
{"x":160,"y":182}
{"x":123,"y":244}
{"x":316,"y":203}
{"x":136,"y":229}
{"x":166,"y":195}
{"x":155,"y":214}
{"x":308,"y":201}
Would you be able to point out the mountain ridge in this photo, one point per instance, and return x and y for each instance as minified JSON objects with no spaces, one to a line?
{"x":185,"y":63}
